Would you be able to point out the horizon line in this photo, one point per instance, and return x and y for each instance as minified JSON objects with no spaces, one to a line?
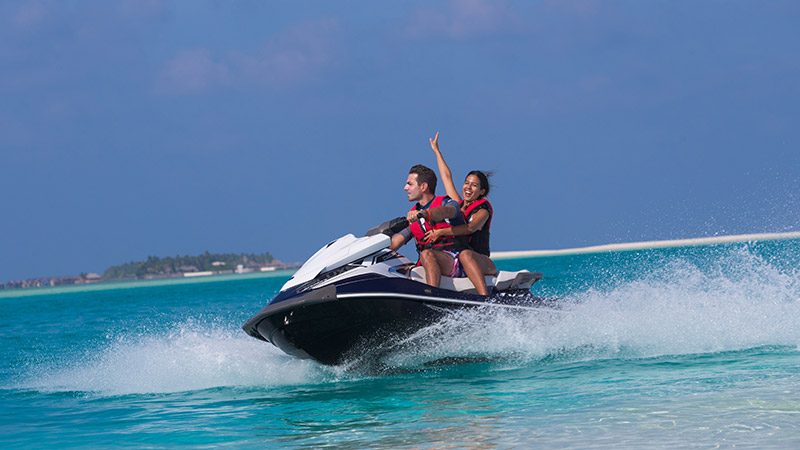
{"x":648,"y":245}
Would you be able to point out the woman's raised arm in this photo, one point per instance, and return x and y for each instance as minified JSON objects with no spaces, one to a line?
{"x":444,"y":171}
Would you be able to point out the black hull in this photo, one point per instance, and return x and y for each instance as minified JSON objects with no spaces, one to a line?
{"x":336,"y":331}
{"x":336,"y":324}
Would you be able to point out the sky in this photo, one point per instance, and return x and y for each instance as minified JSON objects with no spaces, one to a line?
{"x":139,"y":128}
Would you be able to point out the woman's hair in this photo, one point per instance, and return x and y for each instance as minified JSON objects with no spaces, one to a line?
{"x":484,"y":179}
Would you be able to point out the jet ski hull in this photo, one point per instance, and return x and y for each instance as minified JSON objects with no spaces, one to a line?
{"x":360,"y":318}
{"x":356,"y":298}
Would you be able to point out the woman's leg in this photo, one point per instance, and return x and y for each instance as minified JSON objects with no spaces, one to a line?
{"x":474,"y":269}
{"x":485,"y":263}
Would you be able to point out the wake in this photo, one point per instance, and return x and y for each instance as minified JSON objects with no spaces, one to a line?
{"x":739,"y":302}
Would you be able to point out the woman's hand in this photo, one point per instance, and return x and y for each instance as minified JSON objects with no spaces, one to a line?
{"x":444,"y":171}
{"x":432,"y":235}
{"x":435,"y":143}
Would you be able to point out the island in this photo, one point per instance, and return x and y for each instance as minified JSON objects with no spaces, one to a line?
{"x":167,"y":267}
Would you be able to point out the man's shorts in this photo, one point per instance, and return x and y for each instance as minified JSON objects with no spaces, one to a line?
{"x":457,"y":271}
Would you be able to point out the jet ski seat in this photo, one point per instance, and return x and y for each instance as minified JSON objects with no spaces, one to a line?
{"x":504,"y":280}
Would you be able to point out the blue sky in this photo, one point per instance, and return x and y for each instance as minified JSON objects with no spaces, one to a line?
{"x":137,"y":128}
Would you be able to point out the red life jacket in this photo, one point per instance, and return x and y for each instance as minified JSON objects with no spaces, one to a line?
{"x":479,"y":240}
{"x":443,"y":243}
{"x":472,"y":207}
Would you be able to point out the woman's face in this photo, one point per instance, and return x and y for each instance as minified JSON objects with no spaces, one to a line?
{"x":472,"y":190}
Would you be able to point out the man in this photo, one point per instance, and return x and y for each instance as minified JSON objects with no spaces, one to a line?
{"x":441,"y":256}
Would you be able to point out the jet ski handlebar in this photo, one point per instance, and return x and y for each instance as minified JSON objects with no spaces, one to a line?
{"x":389,"y":228}
{"x":394,"y":226}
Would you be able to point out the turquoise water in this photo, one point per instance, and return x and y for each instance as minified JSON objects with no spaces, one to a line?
{"x":692,"y":347}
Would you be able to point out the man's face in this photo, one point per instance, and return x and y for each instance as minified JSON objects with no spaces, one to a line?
{"x":413,"y":188}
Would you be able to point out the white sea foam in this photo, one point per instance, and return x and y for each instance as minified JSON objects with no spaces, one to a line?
{"x":739,"y":302}
{"x":682,"y":309}
{"x":194,"y":356}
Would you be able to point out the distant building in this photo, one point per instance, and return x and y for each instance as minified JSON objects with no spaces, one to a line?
{"x":198,"y":274}
{"x":41,"y":282}
{"x":240,"y":268}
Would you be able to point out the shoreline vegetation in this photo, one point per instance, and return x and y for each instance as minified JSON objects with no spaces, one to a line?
{"x":143,"y":283}
{"x":169,"y":267}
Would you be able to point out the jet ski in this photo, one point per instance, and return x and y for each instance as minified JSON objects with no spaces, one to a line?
{"x":356,"y":296}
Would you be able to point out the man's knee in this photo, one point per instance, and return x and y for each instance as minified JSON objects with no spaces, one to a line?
{"x":466,"y":256}
{"x":427,"y":256}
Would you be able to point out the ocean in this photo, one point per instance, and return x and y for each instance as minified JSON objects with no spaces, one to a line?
{"x":683,"y":347}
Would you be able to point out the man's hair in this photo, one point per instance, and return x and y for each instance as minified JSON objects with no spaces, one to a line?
{"x":425,"y":175}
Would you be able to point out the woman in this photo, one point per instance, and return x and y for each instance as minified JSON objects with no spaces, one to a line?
{"x":478,"y":214}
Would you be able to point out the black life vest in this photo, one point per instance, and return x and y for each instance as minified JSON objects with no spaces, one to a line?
{"x":479,"y":240}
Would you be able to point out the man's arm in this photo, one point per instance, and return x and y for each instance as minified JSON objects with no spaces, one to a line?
{"x":440,"y":213}
{"x":399,"y":240}
{"x":437,"y":214}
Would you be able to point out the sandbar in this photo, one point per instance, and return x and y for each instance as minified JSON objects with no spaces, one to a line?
{"x":649,"y":245}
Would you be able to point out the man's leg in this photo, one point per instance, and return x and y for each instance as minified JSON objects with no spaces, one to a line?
{"x":435,"y":263}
